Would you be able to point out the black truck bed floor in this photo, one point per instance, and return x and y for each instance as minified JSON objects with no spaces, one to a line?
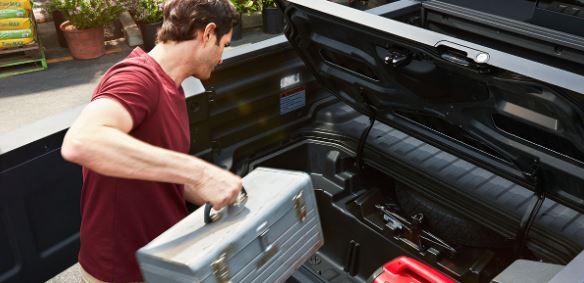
{"x":556,"y":226}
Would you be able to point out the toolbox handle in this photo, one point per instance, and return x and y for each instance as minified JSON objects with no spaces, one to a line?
{"x":403,"y":264}
{"x":212,"y":218}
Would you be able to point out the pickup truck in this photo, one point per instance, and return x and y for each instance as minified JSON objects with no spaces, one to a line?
{"x":448,"y":131}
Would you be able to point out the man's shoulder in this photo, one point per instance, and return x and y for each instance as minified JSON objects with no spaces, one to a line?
{"x":132,"y":73}
{"x":134,"y":64}
{"x":133,"y":67}
{"x":136,"y":73}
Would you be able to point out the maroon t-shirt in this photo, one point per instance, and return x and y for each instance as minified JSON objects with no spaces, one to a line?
{"x":121,"y":215}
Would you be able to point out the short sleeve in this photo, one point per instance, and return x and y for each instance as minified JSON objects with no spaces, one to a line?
{"x":135,"y":87}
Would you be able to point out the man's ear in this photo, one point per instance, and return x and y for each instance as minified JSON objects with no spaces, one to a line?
{"x":209,"y":33}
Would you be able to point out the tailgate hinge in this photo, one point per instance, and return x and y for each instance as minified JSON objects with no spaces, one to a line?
{"x":211,"y":95}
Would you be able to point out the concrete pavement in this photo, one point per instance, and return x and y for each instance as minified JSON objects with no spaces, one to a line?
{"x":67,"y":84}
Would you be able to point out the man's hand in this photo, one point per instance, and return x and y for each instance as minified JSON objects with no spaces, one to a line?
{"x":217,"y":186}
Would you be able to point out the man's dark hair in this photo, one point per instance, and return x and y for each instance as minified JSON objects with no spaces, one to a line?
{"x":183,"y":18}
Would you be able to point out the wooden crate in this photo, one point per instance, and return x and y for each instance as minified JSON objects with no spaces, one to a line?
{"x":20,"y":60}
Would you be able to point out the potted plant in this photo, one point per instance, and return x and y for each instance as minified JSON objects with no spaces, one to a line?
{"x":84,"y":23}
{"x":248,"y":11}
{"x":148,"y":14}
{"x":273,"y":21}
{"x":58,"y":19}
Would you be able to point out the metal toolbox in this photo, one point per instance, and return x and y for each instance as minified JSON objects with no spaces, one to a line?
{"x":264,"y":239}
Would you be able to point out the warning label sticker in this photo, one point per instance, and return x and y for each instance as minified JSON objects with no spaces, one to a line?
{"x":292,"y":100}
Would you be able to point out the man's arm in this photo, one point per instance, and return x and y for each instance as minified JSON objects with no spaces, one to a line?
{"x":99,"y":141}
{"x":191,"y":196}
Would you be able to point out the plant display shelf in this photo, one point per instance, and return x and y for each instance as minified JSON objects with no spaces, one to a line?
{"x":20,"y":60}
{"x":23,"y":59}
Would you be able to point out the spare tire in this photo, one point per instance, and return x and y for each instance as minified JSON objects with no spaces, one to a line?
{"x":447,"y":224}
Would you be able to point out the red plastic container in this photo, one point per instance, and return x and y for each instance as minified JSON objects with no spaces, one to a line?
{"x":408,"y":270}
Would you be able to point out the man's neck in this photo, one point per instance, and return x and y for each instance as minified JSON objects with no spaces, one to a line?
{"x":168,"y":56}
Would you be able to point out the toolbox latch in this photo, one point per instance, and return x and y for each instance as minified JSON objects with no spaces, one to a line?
{"x":220,"y":269}
{"x":269,"y":250}
{"x":299,"y":206}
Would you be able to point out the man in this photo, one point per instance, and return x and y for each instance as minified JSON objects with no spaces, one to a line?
{"x":132,"y":141}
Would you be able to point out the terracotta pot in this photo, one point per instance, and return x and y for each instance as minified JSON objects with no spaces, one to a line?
{"x":85,"y":43}
{"x":149,"y":32}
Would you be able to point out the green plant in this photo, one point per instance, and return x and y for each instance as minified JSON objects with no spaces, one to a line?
{"x":247,"y":6}
{"x":146,"y":11}
{"x":85,"y":14}
{"x":269,"y":3}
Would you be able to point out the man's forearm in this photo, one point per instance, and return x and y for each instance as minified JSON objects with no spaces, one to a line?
{"x":99,"y":140}
{"x":111,"y":152}
{"x":191,"y":195}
